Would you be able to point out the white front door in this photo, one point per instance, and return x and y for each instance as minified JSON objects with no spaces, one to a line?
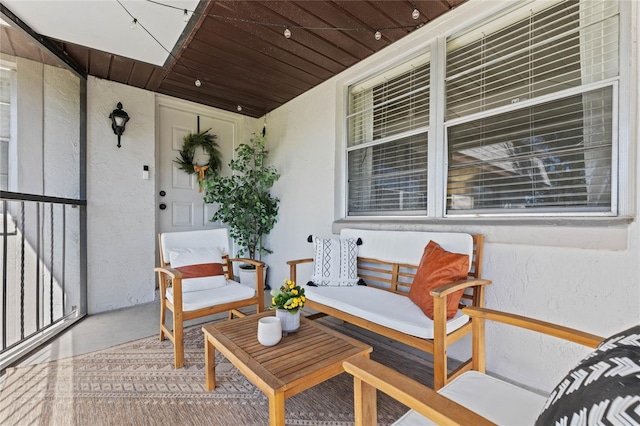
{"x":179,"y":204}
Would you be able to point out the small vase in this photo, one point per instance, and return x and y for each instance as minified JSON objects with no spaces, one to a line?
{"x":290,"y":322}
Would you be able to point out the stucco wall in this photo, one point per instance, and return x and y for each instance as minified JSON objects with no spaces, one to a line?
{"x":580,"y":276}
{"x":120,"y":204}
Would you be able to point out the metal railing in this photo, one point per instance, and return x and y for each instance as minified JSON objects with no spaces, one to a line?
{"x":43,"y":253}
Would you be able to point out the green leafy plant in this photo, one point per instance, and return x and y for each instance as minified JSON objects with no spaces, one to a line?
{"x":290,"y":296}
{"x":246,"y":205}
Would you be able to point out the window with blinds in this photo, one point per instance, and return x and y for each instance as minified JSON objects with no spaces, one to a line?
{"x":387,"y":125}
{"x":530,"y":112}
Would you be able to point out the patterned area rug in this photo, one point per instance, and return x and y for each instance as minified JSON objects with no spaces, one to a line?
{"x":136,"y":384}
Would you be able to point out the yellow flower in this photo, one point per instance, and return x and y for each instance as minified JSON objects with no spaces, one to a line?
{"x":304,"y":299}
{"x":294,"y":291}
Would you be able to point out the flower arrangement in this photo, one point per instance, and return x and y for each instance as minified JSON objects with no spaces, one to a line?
{"x":289,"y":296}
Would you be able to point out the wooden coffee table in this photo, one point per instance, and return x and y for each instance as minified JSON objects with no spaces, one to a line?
{"x":299,"y":361}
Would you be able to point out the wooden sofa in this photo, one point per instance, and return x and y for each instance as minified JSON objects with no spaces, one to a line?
{"x":475,"y":398}
{"x":387,"y":262}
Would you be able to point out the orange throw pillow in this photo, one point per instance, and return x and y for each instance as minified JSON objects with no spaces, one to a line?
{"x":438,"y":267}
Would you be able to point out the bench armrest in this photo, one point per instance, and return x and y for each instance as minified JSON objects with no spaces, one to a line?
{"x":370,"y":375}
{"x":299,"y":261}
{"x":175,"y":277}
{"x":259,"y":277}
{"x":293,"y":267}
{"x":167,"y":270}
{"x":570,"y":334}
{"x":253,"y":262}
{"x":447,"y":289}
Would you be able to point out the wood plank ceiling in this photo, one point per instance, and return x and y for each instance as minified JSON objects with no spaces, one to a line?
{"x":239,"y":53}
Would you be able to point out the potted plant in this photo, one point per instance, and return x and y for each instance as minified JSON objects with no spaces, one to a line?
{"x":287,"y":302}
{"x":245,"y":203}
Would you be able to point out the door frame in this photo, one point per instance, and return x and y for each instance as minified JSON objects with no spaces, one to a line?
{"x":240,"y":123}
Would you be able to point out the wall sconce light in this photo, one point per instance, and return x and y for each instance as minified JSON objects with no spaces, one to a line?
{"x":119,"y":118}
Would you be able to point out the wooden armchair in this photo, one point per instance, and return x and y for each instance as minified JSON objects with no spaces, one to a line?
{"x":473,"y":398}
{"x":196,"y":280}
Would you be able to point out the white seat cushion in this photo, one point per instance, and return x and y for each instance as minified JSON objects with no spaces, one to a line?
{"x":231,"y":292}
{"x":381,"y":307}
{"x":493,"y":399}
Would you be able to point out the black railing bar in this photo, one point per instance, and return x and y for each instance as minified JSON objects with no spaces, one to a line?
{"x":5,"y":195}
{"x":39,"y":255}
{"x":40,"y":330}
{"x":63,"y":261}
{"x":22,"y":225}
{"x":51,"y":267}
{"x":5,"y":248}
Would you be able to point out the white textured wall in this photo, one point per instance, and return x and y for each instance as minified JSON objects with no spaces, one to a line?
{"x":61,"y":133}
{"x":120,"y":204}
{"x":585,"y":277}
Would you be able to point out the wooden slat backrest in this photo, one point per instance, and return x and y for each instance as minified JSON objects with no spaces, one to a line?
{"x":398,"y":277}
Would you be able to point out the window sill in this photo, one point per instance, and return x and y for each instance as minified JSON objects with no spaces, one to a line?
{"x":597,"y":233}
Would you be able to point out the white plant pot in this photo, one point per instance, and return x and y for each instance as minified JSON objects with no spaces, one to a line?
{"x":289,"y":322}
{"x":248,"y":276}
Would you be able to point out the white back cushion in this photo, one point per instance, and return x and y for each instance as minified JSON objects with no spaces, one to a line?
{"x":188,"y":257}
{"x":203,"y":239}
{"x":407,"y":246}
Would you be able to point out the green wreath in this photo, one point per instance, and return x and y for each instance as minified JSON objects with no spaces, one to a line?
{"x":208,"y":143}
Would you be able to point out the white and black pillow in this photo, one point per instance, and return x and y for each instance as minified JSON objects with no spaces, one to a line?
{"x":335,"y":262}
{"x":604,"y":389}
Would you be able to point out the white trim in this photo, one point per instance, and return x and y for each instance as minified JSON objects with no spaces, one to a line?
{"x":408,"y":133}
{"x":626,"y":130}
{"x":532,"y":102}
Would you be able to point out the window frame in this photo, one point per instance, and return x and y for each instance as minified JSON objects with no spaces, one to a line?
{"x":622,"y":195}
{"x":396,"y":69}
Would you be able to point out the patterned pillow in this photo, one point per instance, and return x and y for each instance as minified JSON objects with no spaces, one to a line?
{"x":604,"y":389}
{"x":335,"y":262}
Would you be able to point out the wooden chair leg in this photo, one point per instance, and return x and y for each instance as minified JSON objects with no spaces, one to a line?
{"x":178,"y":337}
{"x":163,"y":316}
{"x":364,"y":404}
{"x":440,"y":373}
{"x":477,"y":344}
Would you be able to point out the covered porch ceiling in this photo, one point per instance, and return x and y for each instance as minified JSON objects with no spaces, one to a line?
{"x":235,"y":49}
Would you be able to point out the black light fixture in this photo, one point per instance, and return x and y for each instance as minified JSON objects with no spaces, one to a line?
{"x":119,"y":118}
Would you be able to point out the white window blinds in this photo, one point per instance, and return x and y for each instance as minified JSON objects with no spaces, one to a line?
{"x":387,"y":141}
{"x":530,"y":114}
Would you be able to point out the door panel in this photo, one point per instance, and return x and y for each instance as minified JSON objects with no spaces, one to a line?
{"x":184,"y":208}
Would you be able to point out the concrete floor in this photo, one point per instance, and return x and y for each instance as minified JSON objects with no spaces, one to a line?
{"x":100,"y":331}
{"x":103,"y":330}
